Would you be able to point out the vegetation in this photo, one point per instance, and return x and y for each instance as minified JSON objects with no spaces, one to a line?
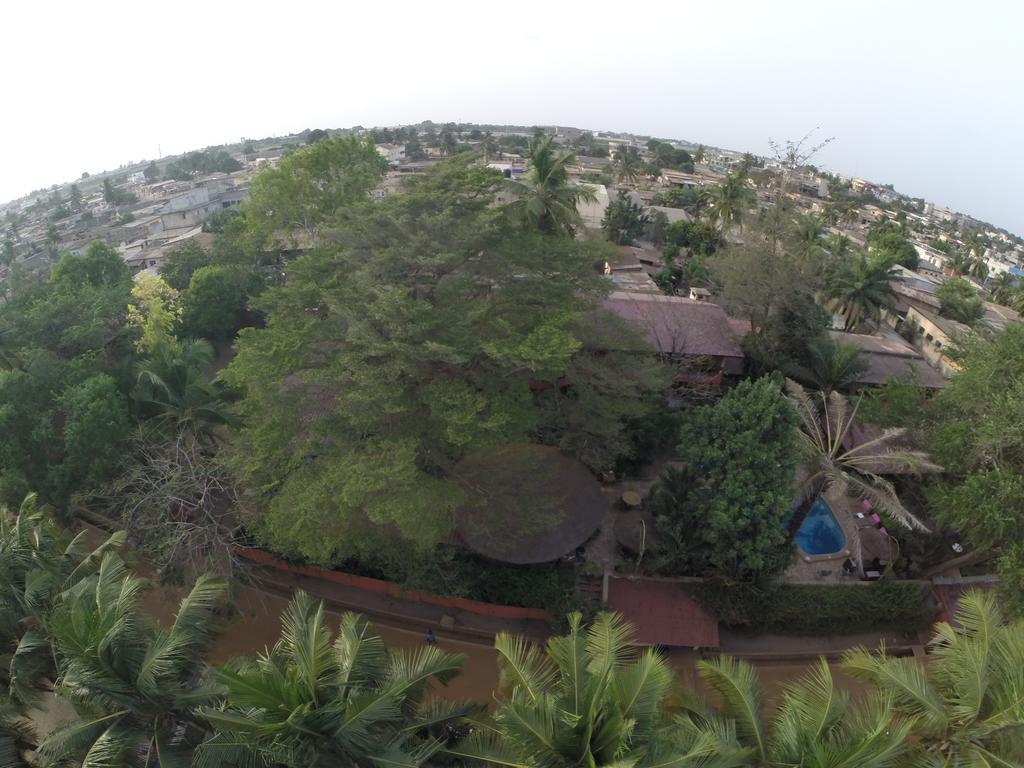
{"x":960,"y":301}
{"x":375,"y":376}
{"x":837,"y":608}
{"x":546,"y":199}
{"x":861,"y":287}
{"x":965,"y":705}
{"x":624,"y":220}
{"x":976,"y":433}
{"x":835,"y":459}
{"x":589,"y":698}
{"x":201,"y":163}
{"x":311,"y":701}
{"x":723,"y":511}
{"x":147,"y":696}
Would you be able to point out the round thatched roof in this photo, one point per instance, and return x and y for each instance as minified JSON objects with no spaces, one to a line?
{"x":527,"y":503}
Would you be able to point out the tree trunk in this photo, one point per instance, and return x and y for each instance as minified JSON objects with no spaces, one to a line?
{"x":803,"y":510}
{"x":971,"y":558}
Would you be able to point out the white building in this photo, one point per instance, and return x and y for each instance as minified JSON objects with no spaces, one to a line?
{"x":393,"y":153}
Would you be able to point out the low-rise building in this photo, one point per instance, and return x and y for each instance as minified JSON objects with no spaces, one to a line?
{"x":937,"y":335}
{"x":682,"y":329}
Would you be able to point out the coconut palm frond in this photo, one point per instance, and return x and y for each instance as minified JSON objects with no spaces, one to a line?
{"x":736,"y":683}
{"x":808,"y":413}
{"x":882,"y":495}
{"x":903,"y":679}
{"x":812,"y":706}
{"x":609,"y":643}
{"x":641,"y":686}
{"x":361,"y":655}
{"x":307,"y":641}
{"x":523,"y":666}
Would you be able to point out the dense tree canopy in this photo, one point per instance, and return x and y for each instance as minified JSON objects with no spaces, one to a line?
{"x":722,"y":512}
{"x":62,"y":406}
{"x":433,"y":324}
{"x":979,"y":437}
{"x":960,"y":301}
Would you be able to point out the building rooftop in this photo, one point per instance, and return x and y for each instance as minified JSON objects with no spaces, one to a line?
{"x":662,"y":613}
{"x":677,"y":325}
{"x":890,"y":357}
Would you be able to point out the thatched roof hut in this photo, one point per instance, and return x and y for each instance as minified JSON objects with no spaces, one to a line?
{"x":526,"y":503}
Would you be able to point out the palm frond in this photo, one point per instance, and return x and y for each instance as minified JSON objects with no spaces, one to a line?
{"x":523,"y":666}
{"x":736,"y":683}
{"x":905,"y":680}
{"x":306,"y":638}
{"x":361,"y":655}
{"x":609,"y":643}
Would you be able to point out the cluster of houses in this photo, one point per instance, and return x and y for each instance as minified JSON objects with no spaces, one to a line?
{"x":151,"y":218}
{"x":162,"y":215}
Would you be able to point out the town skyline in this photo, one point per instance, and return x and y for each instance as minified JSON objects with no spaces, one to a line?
{"x":813,"y":136}
{"x":907,"y":99}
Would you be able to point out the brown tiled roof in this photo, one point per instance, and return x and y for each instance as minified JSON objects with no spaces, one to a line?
{"x":676,"y":325}
{"x":662,"y":613}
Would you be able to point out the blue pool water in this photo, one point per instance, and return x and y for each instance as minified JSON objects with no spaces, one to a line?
{"x":820,"y":533}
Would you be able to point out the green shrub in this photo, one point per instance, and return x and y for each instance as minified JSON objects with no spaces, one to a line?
{"x":813,"y":609}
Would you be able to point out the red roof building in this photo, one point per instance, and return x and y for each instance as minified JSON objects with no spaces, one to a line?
{"x":662,"y":613}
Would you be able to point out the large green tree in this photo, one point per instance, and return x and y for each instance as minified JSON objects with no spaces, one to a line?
{"x":309,"y":189}
{"x":959,"y":300}
{"x":624,"y":219}
{"x":62,"y":410}
{"x":421,"y":334}
{"x":722,"y":511}
{"x":976,"y":431}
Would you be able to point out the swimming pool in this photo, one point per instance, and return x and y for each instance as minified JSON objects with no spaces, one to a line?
{"x":820,"y":532}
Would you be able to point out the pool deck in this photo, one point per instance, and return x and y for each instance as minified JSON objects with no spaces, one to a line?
{"x":818,"y":569}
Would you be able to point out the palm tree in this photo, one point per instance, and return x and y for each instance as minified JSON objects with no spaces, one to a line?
{"x":312,"y":703}
{"x":699,"y":154}
{"x":966,"y":703}
{"x":17,"y":739}
{"x":172,"y":387}
{"x":861,"y":287}
{"x":1001,"y":290}
{"x":814,"y":725}
{"x":832,"y":462}
{"x":960,"y":262}
{"x":830,"y":215}
{"x":37,"y":566}
{"x":728,"y":201}
{"x":830,"y":365}
{"x":849,"y":212}
{"x":978,"y":268}
{"x":546,"y":198}
{"x":592,"y":699}
{"x":839,"y":247}
{"x":807,"y":241}
{"x":135,"y":687}
{"x":627,"y":164}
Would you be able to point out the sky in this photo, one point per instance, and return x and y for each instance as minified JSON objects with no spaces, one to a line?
{"x":926,"y":96}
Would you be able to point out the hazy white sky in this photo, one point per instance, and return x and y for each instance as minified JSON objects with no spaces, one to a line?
{"x":924,"y":95}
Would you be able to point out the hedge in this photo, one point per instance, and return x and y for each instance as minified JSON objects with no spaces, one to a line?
{"x":818,"y":609}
